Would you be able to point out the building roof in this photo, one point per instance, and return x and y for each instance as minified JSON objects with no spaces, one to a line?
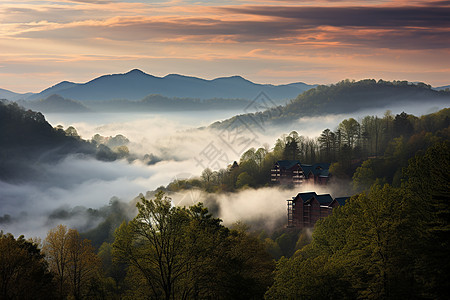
{"x":306,"y":169}
{"x":324,"y":199}
{"x":305,"y":196}
{"x":341,"y":200}
{"x":287,"y":164}
{"x":321,"y":169}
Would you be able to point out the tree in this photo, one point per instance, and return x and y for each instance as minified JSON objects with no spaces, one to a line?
{"x":291,"y":147}
{"x":260,"y":154}
{"x":250,"y":154}
{"x":83,"y":263}
{"x":308,"y":276}
{"x":111,"y":269}
{"x":207,"y":175}
{"x":350,"y":130}
{"x":180,"y":253}
{"x":362,"y":250}
{"x":248,"y":268}
{"x":244,"y":179}
{"x":402,"y":125}
{"x":71,"y":131}
{"x":23,"y":270}
{"x":56,"y":251}
{"x":327,"y":142}
{"x":364,"y":176}
{"x":388,"y":128}
{"x":71,"y":259}
{"x":428,"y":179}
{"x":152,"y":244}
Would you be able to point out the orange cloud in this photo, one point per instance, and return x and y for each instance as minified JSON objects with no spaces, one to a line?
{"x":243,"y":37}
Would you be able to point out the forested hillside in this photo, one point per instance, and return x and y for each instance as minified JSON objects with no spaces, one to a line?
{"x":343,"y":98}
{"x":28,"y":140}
{"x":373,"y":148}
{"x":386,"y":243}
{"x":55,"y":103}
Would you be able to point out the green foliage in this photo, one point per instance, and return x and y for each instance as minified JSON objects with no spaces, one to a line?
{"x":114,"y":272}
{"x":343,"y":98}
{"x":174,"y":252}
{"x":387,"y":243}
{"x":72,"y":260}
{"x":23,"y":270}
{"x":364,"y":151}
{"x":244,"y":180}
{"x":350,"y":129}
{"x":273,"y":248}
{"x":364,"y":176}
{"x":308,"y":277}
{"x":428,"y":179}
{"x":113,"y":215}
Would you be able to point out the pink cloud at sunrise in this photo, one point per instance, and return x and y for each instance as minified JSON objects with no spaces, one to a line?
{"x":44,"y":42}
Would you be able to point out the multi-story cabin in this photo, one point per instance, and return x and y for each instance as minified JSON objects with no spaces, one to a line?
{"x":294,"y":172}
{"x":306,"y":208}
{"x":287,"y":172}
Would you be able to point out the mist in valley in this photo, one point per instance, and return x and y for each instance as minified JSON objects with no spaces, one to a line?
{"x":261,"y":209}
{"x":180,"y":142}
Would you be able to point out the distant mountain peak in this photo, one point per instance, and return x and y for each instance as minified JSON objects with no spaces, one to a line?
{"x":237,"y":77}
{"x":136,"y":72}
{"x":57,"y":88}
{"x":234,"y":78}
{"x":64,"y":84}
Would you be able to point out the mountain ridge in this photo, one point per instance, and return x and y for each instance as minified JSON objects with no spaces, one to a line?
{"x":13,"y":96}
{"x":344,"y":97}
{"x":136,"y":84}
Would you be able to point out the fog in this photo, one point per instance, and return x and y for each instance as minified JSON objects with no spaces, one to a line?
{"x":176,"y":139}
{"x":79,"y":181}
{"x":263,"y":208}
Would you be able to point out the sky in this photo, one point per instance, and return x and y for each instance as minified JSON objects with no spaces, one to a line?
{"x":273,"y":41}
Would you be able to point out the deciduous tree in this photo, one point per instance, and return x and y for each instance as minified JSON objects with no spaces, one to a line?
{"x":23,"y":270}
{"x":72,"y":260}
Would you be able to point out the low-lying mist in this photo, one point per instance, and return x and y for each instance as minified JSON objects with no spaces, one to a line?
{"x":78,"y":181}
{"x":73,"y":182}
{"x":261,"y":209}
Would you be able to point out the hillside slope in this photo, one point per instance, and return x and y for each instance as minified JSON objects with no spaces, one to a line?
{"x":343,"y":98}
{"x":55,"y":104}
{"x":27,"y":140}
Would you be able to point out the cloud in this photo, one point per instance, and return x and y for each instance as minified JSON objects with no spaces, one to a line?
{"x":364,"y":26}
{"x":93,"y":1}
{"x":363,"y":16}
{"x":322,"y":41}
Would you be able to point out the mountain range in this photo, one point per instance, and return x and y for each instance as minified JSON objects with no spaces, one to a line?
{"x":136,"y":85}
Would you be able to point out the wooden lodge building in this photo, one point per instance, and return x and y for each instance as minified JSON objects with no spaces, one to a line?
{"x":294,"y":172}
{"x":306,"y":208}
